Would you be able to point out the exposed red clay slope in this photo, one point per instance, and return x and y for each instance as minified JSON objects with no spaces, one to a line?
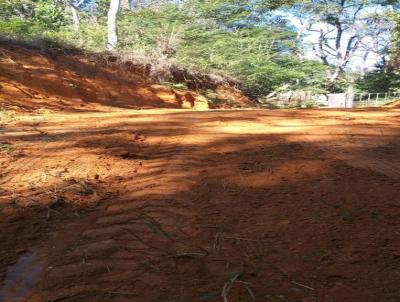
{"x":31,"y":80}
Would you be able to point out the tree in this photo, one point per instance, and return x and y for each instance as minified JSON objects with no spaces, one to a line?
{"x":74,"y":7}
{"x":379,"y":80}
{"x":242,"y":39}
{"x":342,"y":28}
{"x":395,"y":59}
{"x":377,"y":41}
{"x":385,"y":77}
{"x":112,"y":36}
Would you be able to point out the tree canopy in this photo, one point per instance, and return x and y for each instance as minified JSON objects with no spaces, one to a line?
{"x":266,"y":44}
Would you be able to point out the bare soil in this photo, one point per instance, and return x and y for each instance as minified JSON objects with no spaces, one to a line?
{"x":173,"y":205}
{"x":84,"y":82}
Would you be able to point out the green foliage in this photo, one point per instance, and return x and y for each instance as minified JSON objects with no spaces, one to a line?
{"x":310,"y":104}
{"x":217,"y":36}
{"x":30,"y":18}
{"x":263,"y":58}
{"x":101,"y":6}
{"x":152,"y":31}
{"x":379,"y":81}
{"x":396,"y":36}
{"x":219,"y":12}
{"x":49,"y":14}
{"x":17,"y":27}
{"x":175,"y":85}
{"x":21,"y":9}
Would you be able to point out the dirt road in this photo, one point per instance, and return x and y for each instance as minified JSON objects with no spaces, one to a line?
{"x":201,"y":206}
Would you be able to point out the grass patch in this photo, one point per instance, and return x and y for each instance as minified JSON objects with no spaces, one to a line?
{"x":6,"y":148}
{"x":176,"y":85}
{"x":6,"y":115}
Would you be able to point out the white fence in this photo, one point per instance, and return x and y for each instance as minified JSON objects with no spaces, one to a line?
{"x":332,"y":100}
{"x":292,"y":99}
{"x":364,"y":99}
{"x":374,"y":99}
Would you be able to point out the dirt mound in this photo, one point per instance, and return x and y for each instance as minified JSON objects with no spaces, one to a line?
{"x":31,"y":79}
{"x":395,"y":104}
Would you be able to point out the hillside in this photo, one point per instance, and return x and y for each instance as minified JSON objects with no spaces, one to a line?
{"x":32,"y":79}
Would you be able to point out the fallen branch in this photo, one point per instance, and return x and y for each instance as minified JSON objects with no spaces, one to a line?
{"x":23,"y":91}
{"x":245,"y":239}
{"x":227,"y":287}
{"x":302,"y":285}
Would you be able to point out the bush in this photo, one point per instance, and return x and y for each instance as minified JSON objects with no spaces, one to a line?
{"x":49,"y":14}
{"x":379,"y":81}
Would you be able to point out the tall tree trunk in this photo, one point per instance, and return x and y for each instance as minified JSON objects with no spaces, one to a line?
{"x":74,"y":7}
{"x":334,"y":75}
{"x":75,"y":18}
{"x":300,"y":47}
{"x":363,"y":70}
{"x":112,"y":36}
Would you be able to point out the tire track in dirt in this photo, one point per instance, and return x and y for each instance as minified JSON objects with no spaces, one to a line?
{"x":129,"y":237}
{"x":356,"y":159}
{"x":26,"y":171}
{"x":364,"y":162}
{"x":63,"y":163}
{"x":182,"y":226}
{"x":24,"y":164}
{"x":345,"y":149}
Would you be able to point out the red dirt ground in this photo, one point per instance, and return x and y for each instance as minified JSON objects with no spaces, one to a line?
{"x":166,"y":205}
{"x":101,"y":202}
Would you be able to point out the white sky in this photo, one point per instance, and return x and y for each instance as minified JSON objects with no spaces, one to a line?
{"x":312,"y":38}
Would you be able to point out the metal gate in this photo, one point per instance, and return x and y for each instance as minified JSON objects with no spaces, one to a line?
{"x":340,"y":100}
